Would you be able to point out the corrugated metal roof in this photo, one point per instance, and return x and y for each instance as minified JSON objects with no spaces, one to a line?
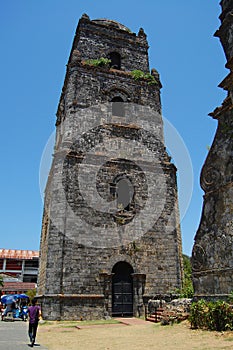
{"x":18,"y":254}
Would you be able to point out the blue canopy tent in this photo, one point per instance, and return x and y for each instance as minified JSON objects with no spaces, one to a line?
{"x":11,"y":298}
{"x":8,"y":299}
{"x":22,"y":296}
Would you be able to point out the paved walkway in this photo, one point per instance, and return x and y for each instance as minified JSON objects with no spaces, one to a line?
{"x":14,"y":336}
{"x":131,"y":321}
{"x":124,"y":321}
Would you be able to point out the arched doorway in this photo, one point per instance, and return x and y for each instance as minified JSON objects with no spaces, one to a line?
{"x":122,"y":289}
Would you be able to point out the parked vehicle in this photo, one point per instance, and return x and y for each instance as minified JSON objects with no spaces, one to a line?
{"x":16,"y":304}
{"x":21,"y":313}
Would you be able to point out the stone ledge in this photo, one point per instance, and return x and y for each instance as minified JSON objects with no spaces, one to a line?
{"x":211,"y":297}
{"x":206,"y":272}
{"x":72,"y":296}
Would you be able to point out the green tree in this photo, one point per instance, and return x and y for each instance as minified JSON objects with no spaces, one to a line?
{"x":187,"y":290}
{"x":1,"y":281}
{"x":31,"y":293}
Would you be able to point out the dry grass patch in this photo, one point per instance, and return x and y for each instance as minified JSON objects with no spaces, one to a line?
{"x":108,"y":336}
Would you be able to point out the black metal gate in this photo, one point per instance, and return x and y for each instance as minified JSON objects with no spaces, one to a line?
{"x":122,"y":290}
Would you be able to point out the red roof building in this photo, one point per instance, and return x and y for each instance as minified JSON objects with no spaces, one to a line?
{"x":19,"y":269}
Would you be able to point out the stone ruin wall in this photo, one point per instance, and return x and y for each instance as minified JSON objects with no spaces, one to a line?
{"x":212,"y":257}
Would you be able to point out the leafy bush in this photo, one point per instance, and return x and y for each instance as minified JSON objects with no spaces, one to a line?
{"x":150,"y":78}
{"x":211,"y":315}
{"x":230,"y":297}
{"x":198,"y":314}
{"x":100,"y":62}
{"x":139,"y":74}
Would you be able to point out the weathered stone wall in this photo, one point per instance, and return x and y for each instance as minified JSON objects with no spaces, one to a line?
{"x":85,"y":235}
{"x":75,"y":307}
{"x":212,"y":257}
{"x":97,"y":41}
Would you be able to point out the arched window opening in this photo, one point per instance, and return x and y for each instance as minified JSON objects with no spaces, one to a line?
{"x":123,"y":190}
{"x":124,"y":194}
{"x":118,"y":109}
{"x":115,"y":58}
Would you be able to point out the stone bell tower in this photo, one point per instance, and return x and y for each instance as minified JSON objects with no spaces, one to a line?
{"x":110,"y":235}
{"x":212,"y":257}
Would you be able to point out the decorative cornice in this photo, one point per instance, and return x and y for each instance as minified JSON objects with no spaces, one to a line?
{"x":227,"y":83}
{"x":212,"y":271}
{"x":226,"y":106}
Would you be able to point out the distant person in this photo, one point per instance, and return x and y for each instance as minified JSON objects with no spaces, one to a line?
{"x":6,"y":310}
{"x":2,"y":309}
{"x":34,"y":315}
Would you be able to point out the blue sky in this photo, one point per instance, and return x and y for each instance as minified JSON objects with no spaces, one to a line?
{"x":36,"y":38}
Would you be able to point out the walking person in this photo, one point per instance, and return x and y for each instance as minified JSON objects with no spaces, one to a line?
{"x":34,"y":315}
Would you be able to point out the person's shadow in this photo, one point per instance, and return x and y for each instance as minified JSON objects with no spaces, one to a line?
{"x":33,"y":345}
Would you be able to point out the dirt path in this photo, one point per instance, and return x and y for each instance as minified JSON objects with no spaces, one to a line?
{"x":134,"y":336}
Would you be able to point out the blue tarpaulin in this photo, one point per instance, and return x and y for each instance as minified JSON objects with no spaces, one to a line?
{"x":11,"y":298}
{"x":8,"y":299}
{"x":22,"y":296}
